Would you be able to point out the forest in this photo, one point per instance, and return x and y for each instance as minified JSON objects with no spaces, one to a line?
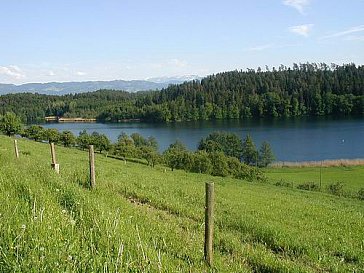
{"x":307,"y":89}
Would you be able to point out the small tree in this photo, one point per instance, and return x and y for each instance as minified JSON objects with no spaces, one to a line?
{"x":100,"y":141}
{"x":83,"y":140}
{"x":138,"y":139}
{"x":229,"y":143}
{"x":125,"y":146}
{"x":177,"y":156}
{"x":250,"y":154}
{"x":171,"y":158}
{"x":10,"y":124}
{"x":201,"y":162}
{"x":219,"y":164}
{"x":103,"y":143}
{"x":178,"y":145}
{"x":35,"y":132}
{"x":152,"y":142}
{"x":266,"y":155}
{"x":67,"y":139}
{"x":150,"y":155}
{"x":52,"y":135}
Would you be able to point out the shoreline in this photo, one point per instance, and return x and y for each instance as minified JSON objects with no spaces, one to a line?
{"x":319,"y":163}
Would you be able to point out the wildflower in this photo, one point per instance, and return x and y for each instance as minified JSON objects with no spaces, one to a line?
{"x":73,"y":222}
{"x":41,"y":248}
{"x":63,"y":211}
{"x":69,"y":258}
{"x":23,"y":226}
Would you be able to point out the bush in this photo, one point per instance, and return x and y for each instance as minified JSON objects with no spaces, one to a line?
{"x":219,"y":164}
{"x":336,"y":188}
{"x":308,"y":186}
{"x":282,"y":183}
{"x":201,"y":162}
{"x":361,"y":194}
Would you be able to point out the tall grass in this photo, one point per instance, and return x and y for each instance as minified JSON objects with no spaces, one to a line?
{"x":143,"y":219}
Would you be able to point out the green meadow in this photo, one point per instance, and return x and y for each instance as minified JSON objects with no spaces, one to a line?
{"x":352,"y":177}
{"x":143,"y":219}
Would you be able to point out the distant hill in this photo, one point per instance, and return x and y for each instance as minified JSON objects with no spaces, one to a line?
{"x":62,"y":88}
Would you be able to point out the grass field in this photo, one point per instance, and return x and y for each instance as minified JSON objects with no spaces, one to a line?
{"x":143,"y":219}
{"x":352,"y":177}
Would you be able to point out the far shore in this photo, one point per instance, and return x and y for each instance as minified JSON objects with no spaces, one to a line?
{"x":319,"y":163}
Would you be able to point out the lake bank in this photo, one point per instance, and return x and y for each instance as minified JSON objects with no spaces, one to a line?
{"x":321,"y":163}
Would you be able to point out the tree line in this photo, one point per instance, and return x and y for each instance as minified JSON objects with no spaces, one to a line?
{"x":307,"y":89}
{"x":219,"y":154}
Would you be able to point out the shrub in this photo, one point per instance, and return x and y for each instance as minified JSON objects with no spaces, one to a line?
{"x":308,"y":186}
{"x":201,"y":162}
{"x":361,"y":194}
{"x":336,"y":188}
{"x":219,"y":164}
{"x":282,"y":183}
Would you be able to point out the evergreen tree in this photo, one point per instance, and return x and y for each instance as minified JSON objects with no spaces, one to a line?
{"x":249,"y":151}
{"x":266,"y":155}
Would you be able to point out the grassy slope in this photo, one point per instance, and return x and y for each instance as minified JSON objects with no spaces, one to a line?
{"x":352,"y":176}
{"x":142,"y":219}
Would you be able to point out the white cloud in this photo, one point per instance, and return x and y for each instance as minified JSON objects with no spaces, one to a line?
{"x":12,"y":71}
{"x":51,"y":73}
{"x":80,"y":73}
{"x":345,"y":32}
{"x":299,"y":5}
{"x":302,"y":30}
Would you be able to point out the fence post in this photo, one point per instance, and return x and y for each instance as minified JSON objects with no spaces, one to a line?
{"x":54,"y":164}
{"x":16,"y":148}
{"x":92,"y":167}
{"x":209,"y":223}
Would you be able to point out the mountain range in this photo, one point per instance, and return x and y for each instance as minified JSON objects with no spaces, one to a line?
{"x":62,"y":88}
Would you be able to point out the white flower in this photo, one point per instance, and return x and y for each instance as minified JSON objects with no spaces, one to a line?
{"x":23,"y":226}
{"x":63,"y":211}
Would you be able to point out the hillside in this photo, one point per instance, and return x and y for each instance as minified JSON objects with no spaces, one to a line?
{"x":143,"y":219}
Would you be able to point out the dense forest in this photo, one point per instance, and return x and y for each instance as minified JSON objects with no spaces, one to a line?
{"x":302,"y":90}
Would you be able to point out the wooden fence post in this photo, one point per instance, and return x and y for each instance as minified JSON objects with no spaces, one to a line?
{"x":209,"y":223}
{"x":92,"y":167}
{"x":16,"y":148}
{"x":54,"y":164}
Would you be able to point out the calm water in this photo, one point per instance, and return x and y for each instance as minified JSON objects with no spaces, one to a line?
{"x":291,"y":139}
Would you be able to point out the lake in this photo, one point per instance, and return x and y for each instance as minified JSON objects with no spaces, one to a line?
{"x":294,"y":139}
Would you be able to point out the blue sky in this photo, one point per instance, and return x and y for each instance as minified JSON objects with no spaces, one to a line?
{"x":44,"y":41}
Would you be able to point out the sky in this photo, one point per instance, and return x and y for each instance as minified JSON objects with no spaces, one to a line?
{"x":79,"y":40}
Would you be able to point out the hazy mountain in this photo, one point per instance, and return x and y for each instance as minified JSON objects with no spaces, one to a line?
{"x":175,"y":80}
{"x":60,"y":88}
